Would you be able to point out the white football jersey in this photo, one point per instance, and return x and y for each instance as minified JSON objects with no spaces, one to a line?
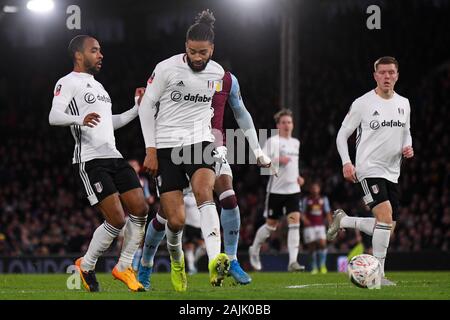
{"x":79,"y":94}
{"x":383,"y":127}
{"x":183,"y":101}
{"x":286,"y":180}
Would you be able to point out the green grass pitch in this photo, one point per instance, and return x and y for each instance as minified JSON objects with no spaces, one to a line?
{"x":265,"y":286}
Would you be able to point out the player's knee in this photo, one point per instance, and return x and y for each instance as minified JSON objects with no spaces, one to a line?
{"x":117,"y":222}
{"x":383,"y":212}
{"x":142,"y":210}
{"x":203,"y":193}
{"x":158,"y":225}
{"x":176,"y":223}
{"x":294,"y":218}
{"x":228,"y":199}
{"x":385,"y":219}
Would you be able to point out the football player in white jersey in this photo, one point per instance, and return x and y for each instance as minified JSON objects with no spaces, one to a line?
{"x":230,"y":214}
{"x":283,"y":191}
{"x":382,"y":117}
{"x":108,"y":180}
{"x":175,"y":116}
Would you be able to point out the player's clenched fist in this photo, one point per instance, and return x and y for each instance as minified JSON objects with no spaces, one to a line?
{"x":151,"y":162}
{"x":348,"y":170}
{"x":91,"y":120}
{"x":408,"y":152}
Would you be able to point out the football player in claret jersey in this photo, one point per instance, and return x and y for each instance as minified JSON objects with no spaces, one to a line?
{"x":108,"y":181}
{"x":175,"y":115}
{"x":230,"y":214}
{"x":315,"y":209}
{"x":283,"y":191}
{"x":382,"y":118}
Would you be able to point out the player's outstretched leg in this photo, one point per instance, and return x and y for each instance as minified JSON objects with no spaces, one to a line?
{"x":136,"y":259}
{"x":335,"y":224}
{"x":293,"y":241}
{"x":102,"y":238}
{"x":255,"y":260}
{"x":239,"y":275}
{"x":323,"y":260}
{"x":261,"y":235}
{"x":153,"y":237}
{"x":218,"y":269}
{"x":178,"y":274}
{"x":177,"y":266}
{"x":88,"y":278}
{"x":230,"y":219}
{"x":128,"y":277}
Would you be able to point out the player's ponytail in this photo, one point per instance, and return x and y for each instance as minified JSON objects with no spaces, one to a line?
{"x":203,"y":28}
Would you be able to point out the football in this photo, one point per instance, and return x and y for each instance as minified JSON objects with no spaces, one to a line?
{"x":364,"y":271}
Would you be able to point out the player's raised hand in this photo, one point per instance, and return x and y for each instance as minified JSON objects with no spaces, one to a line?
{"x":348,"y":170}
{"x":408,"y":152}
{"x":91,"y":119}
{"x":220,"y":154}
{"x":150,"y":164}
{"x":138,"y":94}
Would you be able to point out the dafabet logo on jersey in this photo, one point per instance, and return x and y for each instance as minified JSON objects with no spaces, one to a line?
{"x":178,"y":96}
{"x":375,"y":124}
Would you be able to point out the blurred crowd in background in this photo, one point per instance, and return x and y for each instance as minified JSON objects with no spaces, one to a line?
{"x":42,"y":211}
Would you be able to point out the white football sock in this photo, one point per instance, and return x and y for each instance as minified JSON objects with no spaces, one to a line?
{"x":101,"y":240}
{"x":293,"y":241}
{"x":189,"y":254}
{"x":210,"y":225}
{"x":380,"y":242}
{"x":366,"y":225}
{"x":174,"y":243}
{"x":132,"y":237}
{"x":261,"y":235}
{"x":199,"y":252}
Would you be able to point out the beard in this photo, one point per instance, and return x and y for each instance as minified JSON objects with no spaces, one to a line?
{"x":197,"y":68}
{"x":92,"y":68}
